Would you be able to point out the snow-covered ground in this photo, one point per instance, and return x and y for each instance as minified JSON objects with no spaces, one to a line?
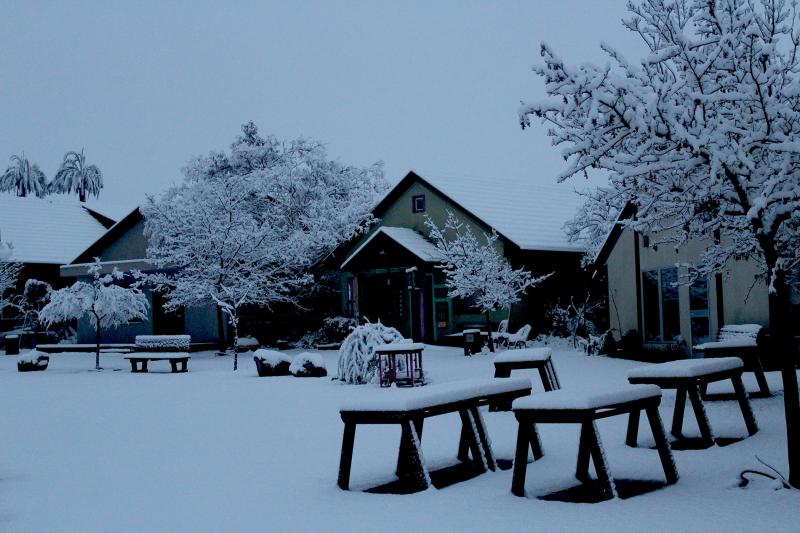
{"x":214,"y":450}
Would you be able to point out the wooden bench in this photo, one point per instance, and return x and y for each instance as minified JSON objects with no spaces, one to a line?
{"x":410,"y":407}
{"x":585,"y":408}
{"x":528,"y":358}
{"x":744,"y":341}
{"x":178,"y":361}
{"x":687,"y":377}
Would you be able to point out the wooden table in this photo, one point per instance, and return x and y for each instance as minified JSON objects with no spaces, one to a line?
{"x":687,"y":377}
{"x":139,"y":362}
{"x":390,"y":371}
{"x":585,"y":408}
{"x":409,"y":408}
{"x":528,"y":358}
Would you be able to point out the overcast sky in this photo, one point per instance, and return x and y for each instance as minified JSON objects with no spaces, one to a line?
{"x":431,"y":86}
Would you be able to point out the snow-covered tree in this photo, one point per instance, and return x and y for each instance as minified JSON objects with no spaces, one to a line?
{"x":9,"y":272}
{"x":30,"y":303}
{"x":75,"y":176}
{"x":23,"y":178}
{"x":357,"y":363}
{"x":245,"y":226}
{"x":100,"y":300}
{"x":702,"y":137}
{"x":475,"y":271}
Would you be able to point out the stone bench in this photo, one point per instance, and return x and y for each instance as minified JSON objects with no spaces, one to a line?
{"x":585,"y":408}
{"x":410,"y":407}
{"x":687,"y":377}
{"x":178,"y":361}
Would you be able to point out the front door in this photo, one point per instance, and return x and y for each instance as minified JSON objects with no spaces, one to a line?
{"x":382,"y":297}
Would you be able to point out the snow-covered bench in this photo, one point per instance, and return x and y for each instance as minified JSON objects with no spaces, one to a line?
{"x":520,"y":338}
{"x":744,"y":341}
{"x":172,"y":348}
{"x":528,"y":358}
{"x":410,"y":407}
{"x":687,"y":377}
{"x":580,"y":406}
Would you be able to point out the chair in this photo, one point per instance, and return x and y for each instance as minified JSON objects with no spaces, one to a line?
{"x":520,"y":338}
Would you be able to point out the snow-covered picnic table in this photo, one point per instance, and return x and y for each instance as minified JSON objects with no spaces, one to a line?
{"x":410,"y":407}
{"x":406,"y":373}
{"x":688,"y":377}
{"x":743,"y":341}
{"x":528,"y":358}
{"x":585,"y":407}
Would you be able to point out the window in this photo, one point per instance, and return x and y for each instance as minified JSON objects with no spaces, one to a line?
{"x":698,"y":311}
{"x":418,"y":204}
{"x":660,"y":305}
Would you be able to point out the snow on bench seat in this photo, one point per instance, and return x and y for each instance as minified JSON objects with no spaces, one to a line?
{"x":398,"y":347}
{"x":740,"y":342}
{"x":411,"y":399}
{"x":577,"y":399}
{"x":524,"y":355}
{"x":687,"y":368}
{"x":159,"y":355}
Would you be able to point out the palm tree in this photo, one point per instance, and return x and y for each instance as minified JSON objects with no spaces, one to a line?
{"x":75,"y":175}
{"x":23,"y":178}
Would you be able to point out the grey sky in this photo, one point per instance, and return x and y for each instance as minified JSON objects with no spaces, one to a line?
{"x":142,"y":86}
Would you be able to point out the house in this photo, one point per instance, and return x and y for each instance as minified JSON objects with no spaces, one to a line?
{"x":390,"y":273}
{"x":646,"y":302}
{"x":124,"y":246}
{"x":46,"y":233}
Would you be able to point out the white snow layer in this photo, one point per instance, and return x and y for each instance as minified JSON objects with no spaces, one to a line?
{"x":407,"y":238}
{"x":524,"y":355}
{"x":51,"y":230}
{"x":588,"y":398}
{"x":272,"y":357}
{"x":687,"y":368}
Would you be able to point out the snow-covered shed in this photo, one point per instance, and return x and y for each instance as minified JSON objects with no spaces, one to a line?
{"x":390,"y":274}
{"x":47,"y":233}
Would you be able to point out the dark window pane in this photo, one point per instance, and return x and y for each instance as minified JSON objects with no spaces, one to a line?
{"x":671,"y":315}
{"x":652,"y":316}
{"x":442,"y":314}
{"x":698,"y":295}
{"x":700,"y":330}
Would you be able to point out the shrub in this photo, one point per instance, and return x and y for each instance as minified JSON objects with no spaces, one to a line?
{"x":308,"y":365}
{"x":272,"y":363}
{"x":357,"y":363}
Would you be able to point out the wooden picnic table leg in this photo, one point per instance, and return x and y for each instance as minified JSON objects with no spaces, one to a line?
{"x":545,"y":377}
{"x":584,"y":454}
{"x":483,"y":436}
{"x":700,"y":414}
{"x":599,"y":459}
{"x":463,"y":447}
{"x":469,"y":433}
{"x":414,"y":469}
{"x":632,"y":436}
{"x":521,"y":458}
{"x":553,"y":376}
{"x":662,"y":444}
{"x":744,"y":405}
{"x":677,"y":415}
{"x":535,"y":443}
{"x":405,"y":442}
{"x":346,"y":459}
{"x":758,"y":370}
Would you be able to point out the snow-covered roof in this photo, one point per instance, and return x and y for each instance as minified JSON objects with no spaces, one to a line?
{"x":529,"y":214}
{"x":405,"y":237}
{"x":52,"y":230}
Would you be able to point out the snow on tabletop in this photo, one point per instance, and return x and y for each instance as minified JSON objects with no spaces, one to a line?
{"x":301,"y":359}
{"x":179,"y":342}
{"x":744,"y":329}
{"x":157,"y":355}
{"x":589,"y":398}
{"x":32,"y":356}
{"x":400,"y":347}
{"x":411,"y":398}
{"x":523,"y":355}
{"x":272,"y":357}
{"x":686,"y":368}
{"x":740,"y":342}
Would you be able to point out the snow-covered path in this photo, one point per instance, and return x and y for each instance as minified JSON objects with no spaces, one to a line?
{"x":214,"y":450}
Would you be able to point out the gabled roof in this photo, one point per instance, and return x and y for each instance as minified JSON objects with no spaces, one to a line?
{"x":613,"y":235}
{"x":94,"y":248}
{"x":50,"y":230}
{"x":530,"y":215}
{"x":405,"y":237}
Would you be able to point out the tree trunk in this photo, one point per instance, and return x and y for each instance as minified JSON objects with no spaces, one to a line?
{"x":235,"y":324}
{"x":97,"y":343}
{"x":220,"y":331}
{"x":783,"y":344}
{"x":489,"y":331}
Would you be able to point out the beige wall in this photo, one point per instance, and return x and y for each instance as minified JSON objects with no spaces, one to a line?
{"x":742,"y":304}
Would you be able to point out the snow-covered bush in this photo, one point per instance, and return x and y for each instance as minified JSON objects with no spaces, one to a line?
{"x":333,"y":331}
{"x":308,"y":365}
{"x":248,"y":343}
{"x":272,"y":363}
{"x":32,"y":360}
{"x":163,"y":343}
{"x":357,"y":363}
